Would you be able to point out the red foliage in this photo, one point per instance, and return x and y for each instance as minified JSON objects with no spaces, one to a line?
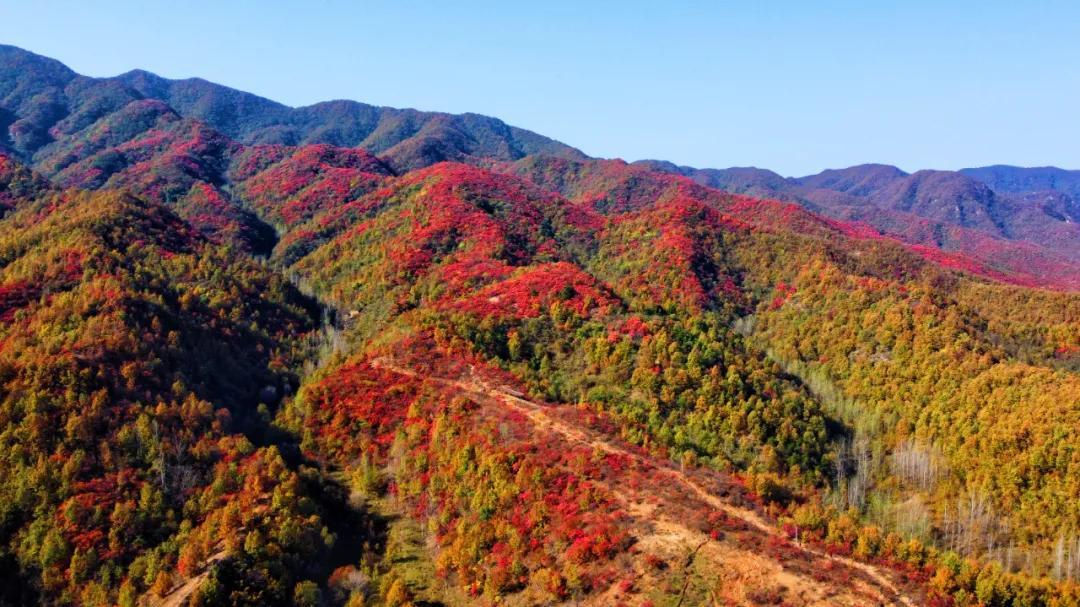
{"x":964,"y":263}
{"x":557,"y":512}
{"x":14,"y":296}
{"x":359,"y":402}
{"x":784,"y":292}
{"x":633,"y":327}
{"x":296,"y":184}
{"x":78,"y":516}
{"x":936,"y":599}
{"x":673,"y":249}
{"x":467,"y":275}
{"x":530,"y":292}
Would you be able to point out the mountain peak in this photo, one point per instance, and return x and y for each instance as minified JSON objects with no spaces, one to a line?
{"x":858,"y":180}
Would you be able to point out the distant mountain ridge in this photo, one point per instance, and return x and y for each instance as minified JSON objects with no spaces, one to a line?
{"x":1037,"y":205}
{"x":1012,"y":179}
{"x":83,"y":131}
{"x":43,"y":98}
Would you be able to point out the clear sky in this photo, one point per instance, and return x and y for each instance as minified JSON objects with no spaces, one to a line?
{"x":795,"y":86}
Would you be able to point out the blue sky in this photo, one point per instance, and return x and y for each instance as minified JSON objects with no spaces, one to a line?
{"x":792,"y":86}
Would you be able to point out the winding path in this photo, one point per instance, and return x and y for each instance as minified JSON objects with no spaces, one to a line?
{"x":178,"y":596}
{"x":478,"y":389}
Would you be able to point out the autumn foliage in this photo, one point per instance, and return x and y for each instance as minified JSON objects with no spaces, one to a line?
{"x":233,"y":371}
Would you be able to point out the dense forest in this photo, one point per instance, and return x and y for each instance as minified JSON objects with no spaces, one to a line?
{"x":237,"y":368}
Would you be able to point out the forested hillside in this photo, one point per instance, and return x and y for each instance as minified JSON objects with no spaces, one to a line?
{"x":1011,"y":217}
{"x":242,"y":363}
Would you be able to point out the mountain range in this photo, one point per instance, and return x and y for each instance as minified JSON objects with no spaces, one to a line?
{"x":973,"y":211}
{"x":350,"y":355}
{"x":44,"y":101}
{"x":1036,"y":205}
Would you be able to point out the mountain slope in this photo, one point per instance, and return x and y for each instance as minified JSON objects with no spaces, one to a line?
{"x":1019,"y":180}
{"x":511,"y":380}
{"x":408,"y":138}
{"x":43,"y":99}
{"x":58,"y":119}
{"x":134,"y":356}
{"x":957,"y":211}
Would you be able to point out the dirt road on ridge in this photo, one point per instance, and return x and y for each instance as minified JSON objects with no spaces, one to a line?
{"x":477,"y":388}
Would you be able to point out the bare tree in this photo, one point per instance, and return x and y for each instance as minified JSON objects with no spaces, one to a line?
{"x":917,"y":464}
{"x":971,"y":527}
{"x":1066,"y":557}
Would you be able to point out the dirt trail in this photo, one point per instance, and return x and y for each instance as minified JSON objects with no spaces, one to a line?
{"x":179,"y":595}
{"x":481,"y":391}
